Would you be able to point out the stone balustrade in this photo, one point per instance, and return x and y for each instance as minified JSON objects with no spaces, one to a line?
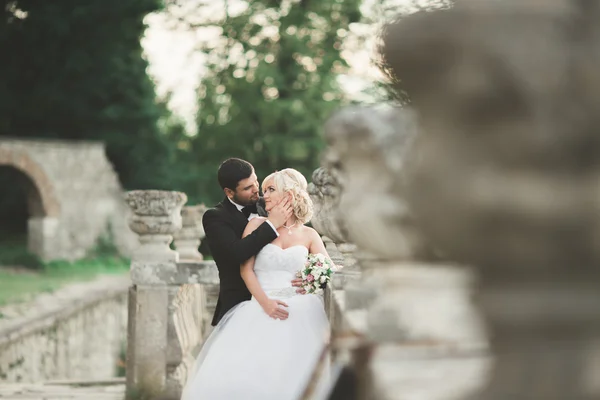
{"x":170,"y":296}
{"x":506,"y":177}
{"x":488,"y":192}
{"x":74,"y":333}
{"x":407,"y":306}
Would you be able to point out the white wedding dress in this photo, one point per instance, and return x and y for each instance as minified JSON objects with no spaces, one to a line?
{"x":249,"y":355}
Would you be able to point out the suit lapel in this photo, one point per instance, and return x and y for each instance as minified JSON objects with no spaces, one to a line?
{"x":237,"y":215}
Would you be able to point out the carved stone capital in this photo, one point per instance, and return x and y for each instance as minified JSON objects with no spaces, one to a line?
{"x":325,"y":192}
{"x":369,"y":149}
{"x":155,"y":217}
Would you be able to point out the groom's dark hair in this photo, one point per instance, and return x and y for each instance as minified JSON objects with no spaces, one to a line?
{"x":233,"y":170}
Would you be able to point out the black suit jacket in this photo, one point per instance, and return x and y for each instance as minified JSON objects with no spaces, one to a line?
{"x":224,"y":226}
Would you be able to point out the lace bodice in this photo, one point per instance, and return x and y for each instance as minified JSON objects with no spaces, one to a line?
{"x":276,"y":267}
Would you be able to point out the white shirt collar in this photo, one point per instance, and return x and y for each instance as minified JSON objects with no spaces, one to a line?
{"x":235,"y":204}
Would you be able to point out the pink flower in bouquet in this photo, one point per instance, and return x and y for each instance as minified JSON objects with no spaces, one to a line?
{"x":310,"y":278}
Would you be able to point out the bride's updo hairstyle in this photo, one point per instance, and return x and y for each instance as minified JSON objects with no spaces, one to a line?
{"x":291,"y":181}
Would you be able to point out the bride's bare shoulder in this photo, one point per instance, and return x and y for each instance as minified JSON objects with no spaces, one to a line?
{"x":310,"y":232}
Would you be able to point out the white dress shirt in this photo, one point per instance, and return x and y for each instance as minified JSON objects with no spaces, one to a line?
{"x":253,"y":215}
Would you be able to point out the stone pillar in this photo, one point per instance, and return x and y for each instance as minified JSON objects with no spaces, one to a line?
{"x":42,"y":236}
{"x":421,"y":308}
{"x":508,"y":177}
{"x":155,"y":218}
{"x":187,"y":240}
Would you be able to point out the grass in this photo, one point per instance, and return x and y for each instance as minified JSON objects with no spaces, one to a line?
{"x":23,"y":275}
{"x":18,"y":285}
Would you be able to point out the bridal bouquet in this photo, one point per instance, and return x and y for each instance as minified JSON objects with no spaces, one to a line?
{"x":316,"y":273}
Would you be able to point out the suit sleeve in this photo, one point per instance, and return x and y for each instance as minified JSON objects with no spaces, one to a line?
{"x":222,"y":238}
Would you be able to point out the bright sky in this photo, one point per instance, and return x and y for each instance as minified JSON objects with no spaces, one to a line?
{"x":176,"y":68}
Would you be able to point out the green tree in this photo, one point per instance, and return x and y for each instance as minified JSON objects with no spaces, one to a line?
{"x":75,"y":70}
{"x":271,"y":81}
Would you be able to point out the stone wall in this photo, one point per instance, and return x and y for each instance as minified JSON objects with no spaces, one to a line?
{"x":77,"y":199}
{"x":75,"y":333}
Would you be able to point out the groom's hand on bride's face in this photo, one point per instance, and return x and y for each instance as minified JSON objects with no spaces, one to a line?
{"x":298,"y":283}
{"x":281,"y":212}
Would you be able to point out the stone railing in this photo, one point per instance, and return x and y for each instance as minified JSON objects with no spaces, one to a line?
{"x":506,"y":177}
{"x":398,"y":300}
{"x":477,"y":216}
{"x":75,"y":333}
{"x":172,"y":293}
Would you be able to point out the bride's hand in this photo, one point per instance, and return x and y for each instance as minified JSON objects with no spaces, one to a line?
{"x":273,"y":310}
{"x":297,"y":282}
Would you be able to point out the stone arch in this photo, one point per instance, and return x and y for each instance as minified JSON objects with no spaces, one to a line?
{"x":48,"y":204}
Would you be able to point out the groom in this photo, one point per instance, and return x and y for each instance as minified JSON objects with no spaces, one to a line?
{"x":224,"y":225}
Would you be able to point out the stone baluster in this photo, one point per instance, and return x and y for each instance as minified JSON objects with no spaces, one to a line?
{"x":421,"y":307}
{"x":184,"y":334}
{"x":155,"y":218}
{"x":167,"y":301}
{"x":507,"y":178}
{"x":188,"y":302}
{"x":190,"y":311}
{"x":188,"y":238}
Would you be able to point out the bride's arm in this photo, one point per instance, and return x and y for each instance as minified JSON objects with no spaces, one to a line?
{"x":270,"y":306}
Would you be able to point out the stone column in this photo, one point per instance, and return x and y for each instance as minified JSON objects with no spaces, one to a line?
{"x":42,"y":236}
{"x":421,"y":308}
{"x":155,"y":217}
{"x":508,"y":178}
{"x":188,"y":238}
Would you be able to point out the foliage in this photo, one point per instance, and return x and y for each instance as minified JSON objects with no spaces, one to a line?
{"x":271,"y":80}
{"x":14,"y":253}
{"x":75,"y":70}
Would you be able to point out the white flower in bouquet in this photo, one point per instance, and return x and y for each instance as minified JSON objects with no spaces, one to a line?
{"x":316,"y":273}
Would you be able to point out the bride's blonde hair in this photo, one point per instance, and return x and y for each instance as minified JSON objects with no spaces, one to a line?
{"x":291,"y":181}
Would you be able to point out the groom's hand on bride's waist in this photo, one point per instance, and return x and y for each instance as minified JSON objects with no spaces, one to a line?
{"x":273,"y":309}
{"x":298,"y":284}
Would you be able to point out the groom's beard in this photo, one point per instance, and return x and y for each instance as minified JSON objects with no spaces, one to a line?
{"x":245,"y":202}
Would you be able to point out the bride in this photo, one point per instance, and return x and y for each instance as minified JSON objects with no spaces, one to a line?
{"x":251,"y":355}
